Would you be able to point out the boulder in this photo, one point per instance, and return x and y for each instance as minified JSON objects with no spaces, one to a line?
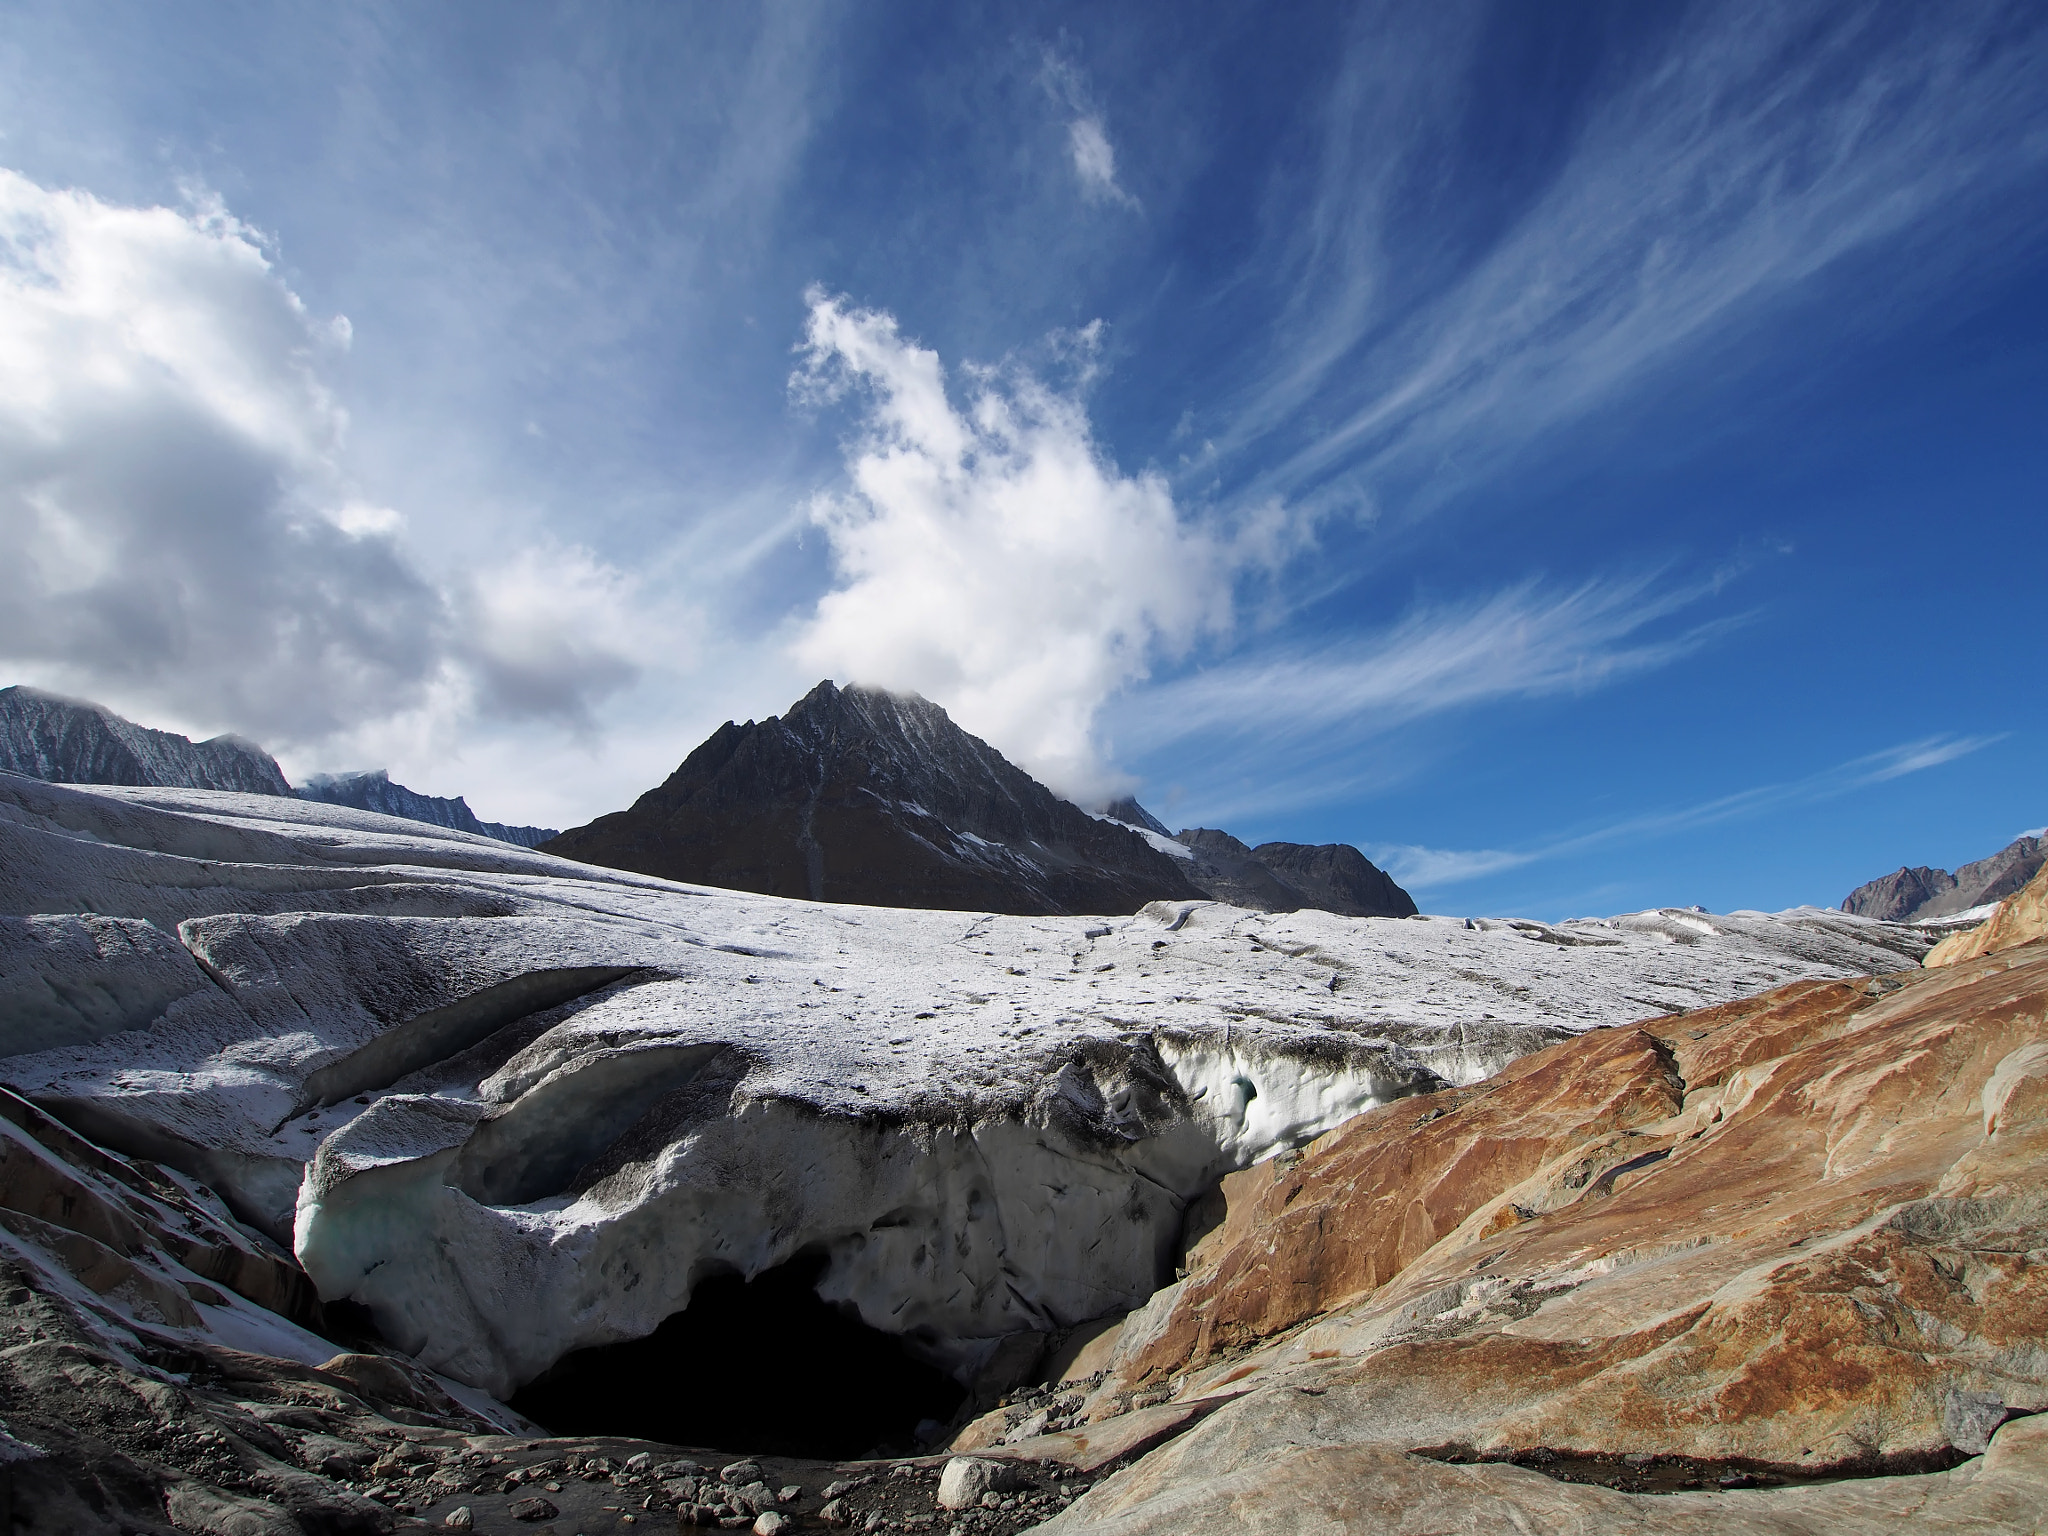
{"x":966,"y":1478}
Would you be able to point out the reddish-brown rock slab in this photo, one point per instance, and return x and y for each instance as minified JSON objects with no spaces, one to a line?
{"x":1808,"y":1231}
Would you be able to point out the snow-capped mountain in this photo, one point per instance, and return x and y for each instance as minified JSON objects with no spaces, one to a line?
{"x":857,"y":795}
{"x":374,"y":791}
{"x":70,"y":741}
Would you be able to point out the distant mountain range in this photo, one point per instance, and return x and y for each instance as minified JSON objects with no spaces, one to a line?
{"x":374,"y":791}
{"x":1920,"y":893}
{"x":855,"y":795}
{"x":863,"y":796}
{"x":1275,"y":877}
{"x":70,"y":741}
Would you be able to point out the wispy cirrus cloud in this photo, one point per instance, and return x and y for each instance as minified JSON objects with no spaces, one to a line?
{"x":1761,"y":146}
{"x":1531,"y":639}
{"x":1426,"y":869}
{"x":1088,"y":145}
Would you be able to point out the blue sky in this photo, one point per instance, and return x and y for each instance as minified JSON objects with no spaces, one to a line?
{"x":1589,"y":456}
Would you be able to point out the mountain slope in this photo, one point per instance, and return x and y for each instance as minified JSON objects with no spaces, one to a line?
{"x":69,"y":741}
{"x":1337,"y":878}
{"x":1914,"y":895}
{"x":1282,"y":877}
{"x":375,"y":792}
{"x":856,"y":795}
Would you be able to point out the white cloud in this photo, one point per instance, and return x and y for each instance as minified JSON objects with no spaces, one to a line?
{"x":1763,"y":147}
{"x":179,"y":536}
{"x":990,"y":556}
{"x":1095,"y":160}
{"x":1432,"y":868}
{"x":551,"y":629}
{"x":1524,"y":641}
{"x":1426,"y":869}
{"x":1088,"y":145}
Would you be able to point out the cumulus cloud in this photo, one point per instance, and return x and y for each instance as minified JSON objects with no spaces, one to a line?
{"x":178,"y":532}
{"x":988,"y":553}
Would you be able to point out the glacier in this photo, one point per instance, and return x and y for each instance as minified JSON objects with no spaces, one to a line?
{"x":518,"y":1106}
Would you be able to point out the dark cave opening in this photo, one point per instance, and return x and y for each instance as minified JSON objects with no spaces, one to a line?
{"x":761,"y":1366}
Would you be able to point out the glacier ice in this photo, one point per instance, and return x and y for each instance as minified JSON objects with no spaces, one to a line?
{"x":519,"y":1106}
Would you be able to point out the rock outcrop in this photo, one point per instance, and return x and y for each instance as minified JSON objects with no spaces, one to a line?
{"x":857,"y":795}
{"x":1274,"y":877}
{"x":1224,"y":869}
{"x":1784,"y":1240}
{"x":1922,"y":894}
{"x":68,"y":741}
{"x":1337,"y":878}
{"x":2022,"y":918}
{"x":374,"y":791}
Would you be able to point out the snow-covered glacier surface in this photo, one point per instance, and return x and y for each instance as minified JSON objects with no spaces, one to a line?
{"x":518,"y":1106}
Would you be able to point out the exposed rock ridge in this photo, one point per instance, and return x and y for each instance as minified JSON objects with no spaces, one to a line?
{"x":69,"y":741}
{"x":374,"y":791}
{"x":1920,"y":893}
{"x":1783,"y":1237}
{"x":1285,"y":877}
{"x":858,"y":795}
{"x":2021,"y":918}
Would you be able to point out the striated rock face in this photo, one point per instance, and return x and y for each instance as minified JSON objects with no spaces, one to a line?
{"x":67,"y":741}
{"x":1921,"y":894}
{"x":375,"y":792}
{"x":857,"y":795}
{"x":1790,"y":1236}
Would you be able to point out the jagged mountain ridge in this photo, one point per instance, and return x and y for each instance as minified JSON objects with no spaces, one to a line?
{"x":374,"y":791}
{"x":858,"y":795}
{"x":72,"y":741}
{"x":1911,"y":895}
{"x":1276,"y":877}
{"x":75,"y":741}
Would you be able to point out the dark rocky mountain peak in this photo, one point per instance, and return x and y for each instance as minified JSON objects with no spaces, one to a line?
{"x":1282,"y":877}
{"x":1895,"y":897}
{"x":860,"y":795}
{"x":1228,"y":871}
{"x":1131,"y":814}
{"x":70,"y":741}
{"x":374,"y":791}
{"x":1337,"y":878}
{"x":1920,"y":893}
